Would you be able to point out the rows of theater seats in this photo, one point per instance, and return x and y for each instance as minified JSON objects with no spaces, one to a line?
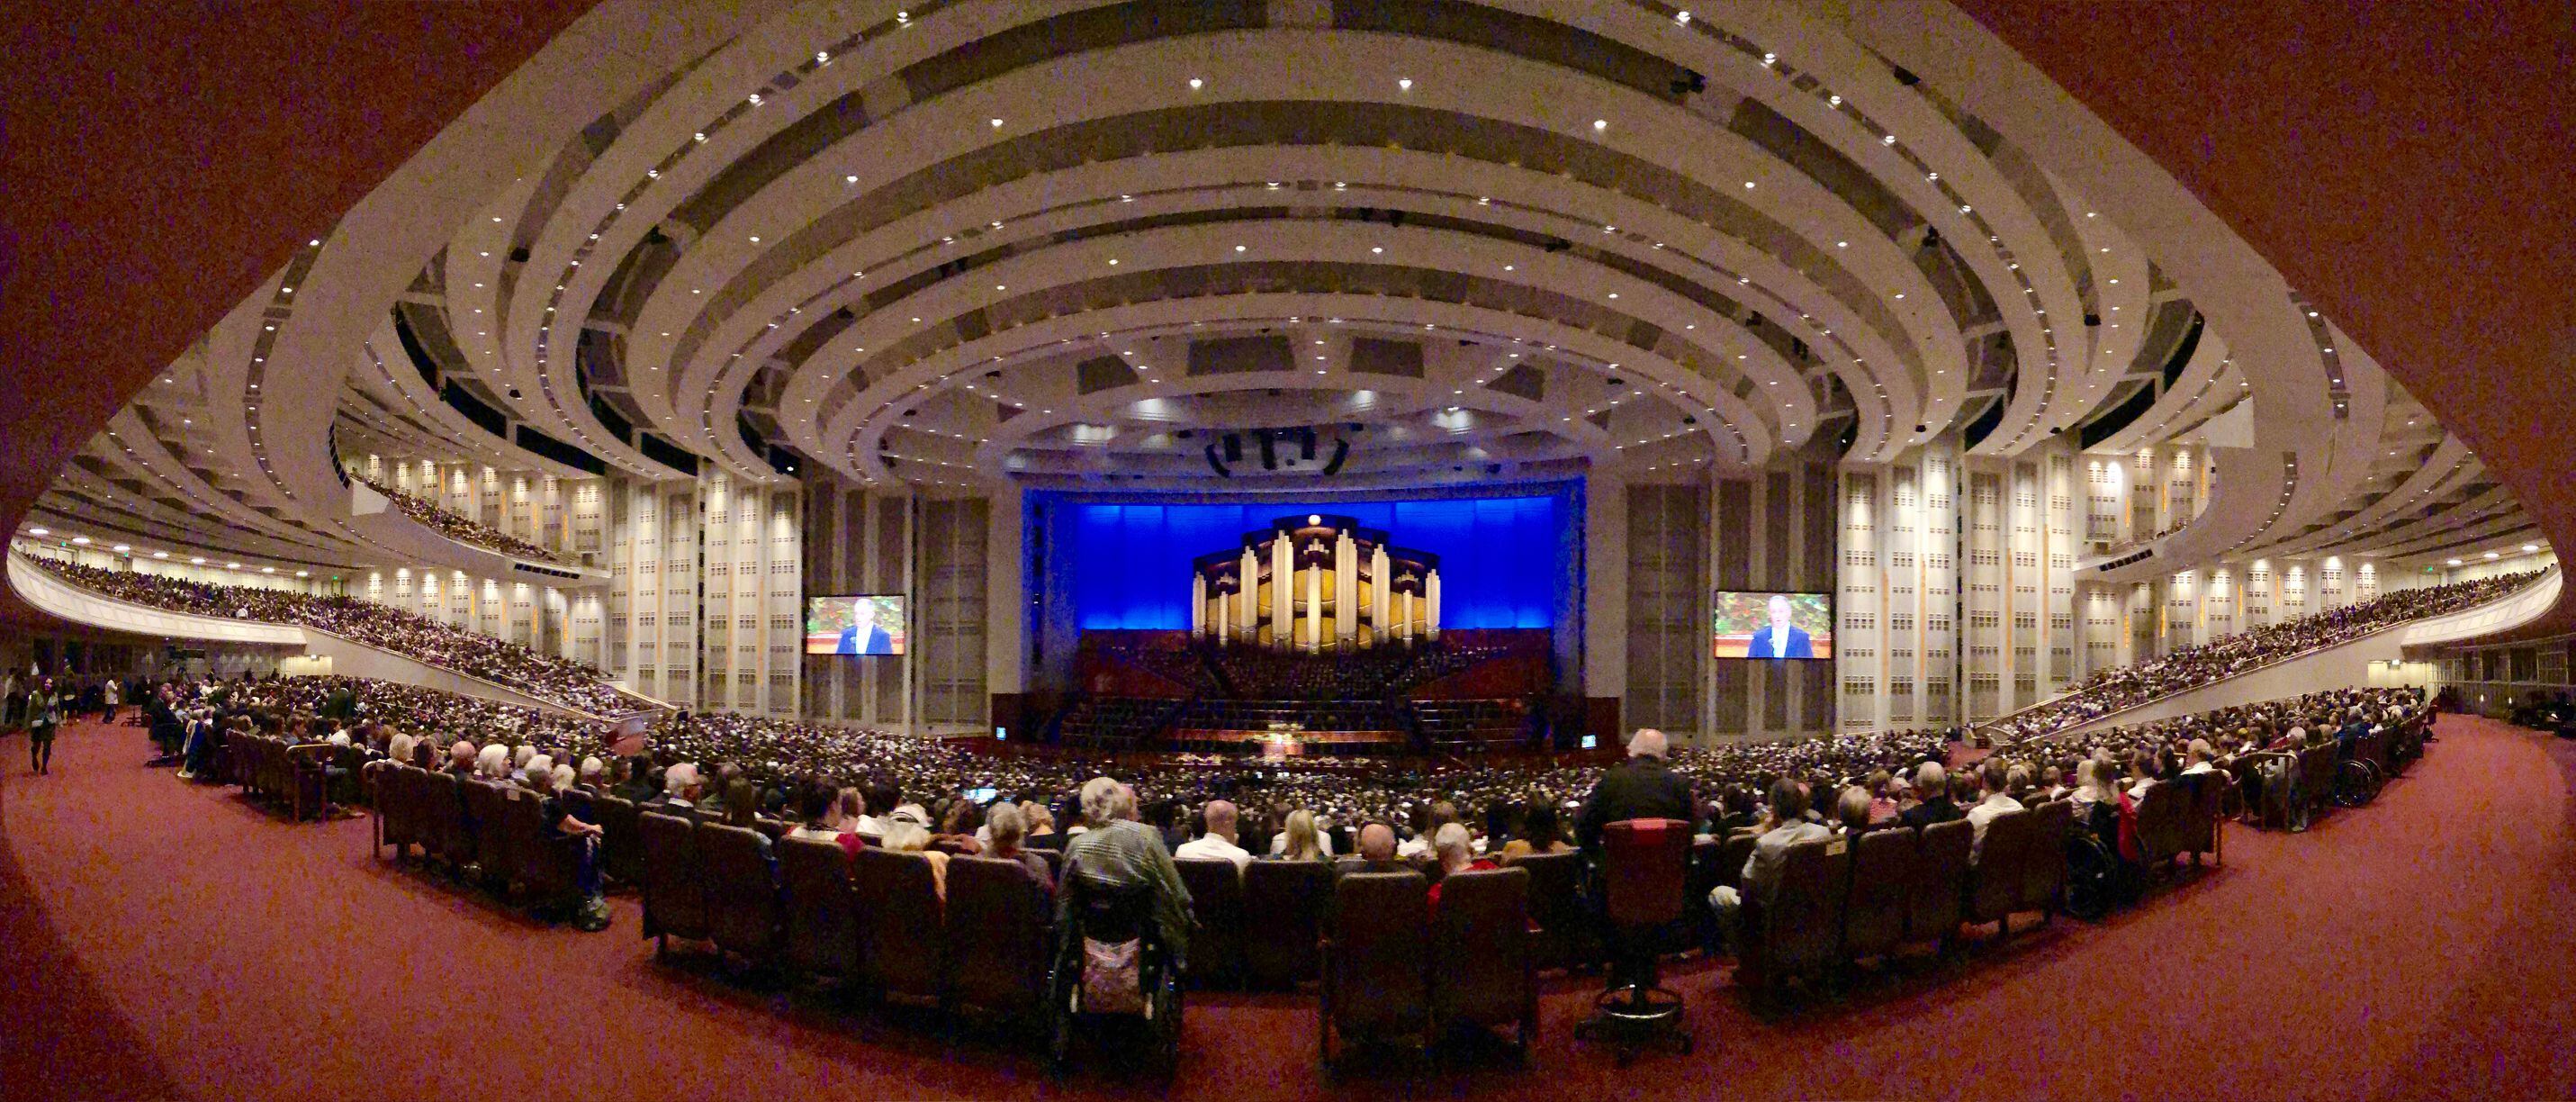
{"x":547,"y":677}
{"x":495,"y":831}
{"x":462,"y":529}
{"x":1258,"y":715}
{"x":2128,"y":686}
{"x":1255,"y":673}
{"x":1459,"y":724}
{"x":1114,"y":722}
{"x":1373,"y":948}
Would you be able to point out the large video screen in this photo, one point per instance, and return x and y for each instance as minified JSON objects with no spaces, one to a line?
{"x":1773,"y":625}
{"x":1505,"y":562}
{"x":867,"y":623}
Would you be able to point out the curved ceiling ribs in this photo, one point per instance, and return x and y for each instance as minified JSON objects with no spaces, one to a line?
{"x":1058,"y":244}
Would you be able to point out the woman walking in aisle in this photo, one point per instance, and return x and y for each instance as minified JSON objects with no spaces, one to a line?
{"x":44,"y":713}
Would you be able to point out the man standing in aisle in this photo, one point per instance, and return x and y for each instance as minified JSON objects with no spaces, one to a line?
{"x":44,"y":713}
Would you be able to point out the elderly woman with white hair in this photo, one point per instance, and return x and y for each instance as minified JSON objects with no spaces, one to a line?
{"x":548,"y":781}
{"x":493,"y":763}
{"x":1119,"y":851}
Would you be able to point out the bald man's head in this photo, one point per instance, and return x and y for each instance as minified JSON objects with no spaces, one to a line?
{"x":1377,"y":842}
{"x":1220,"y":819}
{"x":1647,"y":743}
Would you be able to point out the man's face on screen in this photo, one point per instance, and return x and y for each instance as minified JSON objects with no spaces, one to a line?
{"x":863,"y":614}
{"x":1779,"y":612}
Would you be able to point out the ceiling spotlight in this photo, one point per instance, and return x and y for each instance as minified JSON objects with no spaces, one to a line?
{"x":1404,"y":84}
{"x":84,"y":541}
{"x":997,"y":124}
{"x":160,"y":554}
{"x":123,"y":548}
{"x":1194,"y":84}
{"x":40,"y":531}
{"x":1599,"y":125}
{"x":196,"y":560}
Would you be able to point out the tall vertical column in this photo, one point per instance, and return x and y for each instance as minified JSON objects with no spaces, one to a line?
{"x":1283,"y":591}
{"x":1431,"y":605}
{"x":1346,"y":613}
{"x":1380,"y":616}
{"x":1314,"y":608}
{"x":1247,"y":596}
{"x":1198,"y":605}
{"x":1224,"y":623}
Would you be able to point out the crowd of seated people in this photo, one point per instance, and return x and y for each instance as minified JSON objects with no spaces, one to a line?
{"x":2191,"y":667}
{"x":1136,"y":823}
{"x":561,"y":681}
{"x":463,"y":530}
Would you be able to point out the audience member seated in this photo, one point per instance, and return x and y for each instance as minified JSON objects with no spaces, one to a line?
{"x":1539,"y":833}
{"x":2128,"y":686}
{"x":1218,"y":842}
{"x":1008,"y":828}
{"x":1118,"y":851}
{"x":547,"y":677}
{"x":1301,"y":842}
{"x":1997,"y":781}
{"x":818,"y":815}
{"x":1760,"y":879}
{"x":1456,"y":855}
{"x":453,"y":526}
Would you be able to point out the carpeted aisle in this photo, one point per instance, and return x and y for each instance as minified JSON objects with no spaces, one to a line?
{"x":169,"y":939}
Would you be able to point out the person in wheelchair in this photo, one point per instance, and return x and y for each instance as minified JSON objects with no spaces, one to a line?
{"x":1122,"y":920}
{"x":1119,"y":852}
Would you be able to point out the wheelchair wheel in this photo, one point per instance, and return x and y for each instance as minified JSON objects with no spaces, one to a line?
{"x":2356,"y":783}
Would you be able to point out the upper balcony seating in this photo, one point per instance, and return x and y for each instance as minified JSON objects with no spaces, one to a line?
{"x":574,"y":685}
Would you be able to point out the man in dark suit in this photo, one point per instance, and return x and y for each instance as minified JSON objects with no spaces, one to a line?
{"x":864,"y":636}
{"x":1642,"y":787}
{"x":1933,"y":783}
{"x":1779,"y":638}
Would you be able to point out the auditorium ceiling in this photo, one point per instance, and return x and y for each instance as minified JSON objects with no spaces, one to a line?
{"x":1288,"y":245}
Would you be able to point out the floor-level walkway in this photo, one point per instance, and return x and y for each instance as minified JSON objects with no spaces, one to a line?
{"x":161,"y":939}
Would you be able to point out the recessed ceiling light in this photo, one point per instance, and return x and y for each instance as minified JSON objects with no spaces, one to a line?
{"x":1600,"y":125}
{"x":1194,"y":84}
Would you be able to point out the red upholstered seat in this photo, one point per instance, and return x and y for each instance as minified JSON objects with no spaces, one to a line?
{"x":1374,"y":959}
{"x":902,"y":940}
{"x":820,"y":916}
{"x":621,"y":839}
{"x":741,"y":891}
{"x":997,"y":923}
{"x":1645,"y":869}
{"x":1216,"y":905}
{"x":1882,"y":878}
{"x":675,"y":901}
{"x":1284,"y":904}
{"x":1935,"y":907}
{"x":1484,"y":964}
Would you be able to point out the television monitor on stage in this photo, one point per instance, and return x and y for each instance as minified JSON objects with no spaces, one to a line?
{"x":867,"y":623}
{"x":1773,"y":625}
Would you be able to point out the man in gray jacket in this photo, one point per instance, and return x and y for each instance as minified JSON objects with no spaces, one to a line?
{"x":1761,"y":880}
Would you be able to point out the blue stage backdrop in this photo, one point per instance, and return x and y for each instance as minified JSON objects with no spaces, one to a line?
{"x":1503,"y":560}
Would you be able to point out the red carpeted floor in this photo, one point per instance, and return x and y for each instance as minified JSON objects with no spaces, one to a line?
{"x":162,"y":939}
